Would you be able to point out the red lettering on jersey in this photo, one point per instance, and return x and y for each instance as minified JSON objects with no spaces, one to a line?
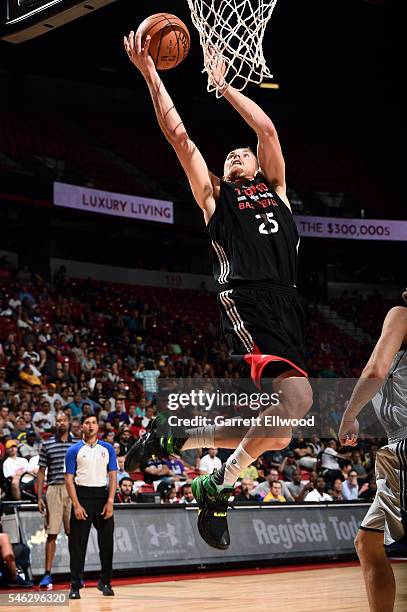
{"x":262,"y":187}
{"x":248,"y":191}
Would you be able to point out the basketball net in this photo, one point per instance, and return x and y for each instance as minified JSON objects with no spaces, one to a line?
{"x":234,"y":29}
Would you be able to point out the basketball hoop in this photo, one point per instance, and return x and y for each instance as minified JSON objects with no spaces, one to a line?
{"x":235,"y":30}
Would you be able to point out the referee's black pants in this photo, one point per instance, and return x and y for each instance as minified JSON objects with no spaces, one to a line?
{"x":92,"y":499}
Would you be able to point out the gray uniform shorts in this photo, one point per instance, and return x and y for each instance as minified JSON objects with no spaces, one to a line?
{"x":388,"y":512}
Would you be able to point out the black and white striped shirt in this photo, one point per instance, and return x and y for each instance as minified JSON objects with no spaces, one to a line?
{"x":52,"y":456}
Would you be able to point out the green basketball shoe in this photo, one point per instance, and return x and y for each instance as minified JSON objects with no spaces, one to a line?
{"x":212,"y":499}
{"x":161,"y":440}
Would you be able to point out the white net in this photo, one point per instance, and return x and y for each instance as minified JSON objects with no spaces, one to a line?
{"x":233,"y":29}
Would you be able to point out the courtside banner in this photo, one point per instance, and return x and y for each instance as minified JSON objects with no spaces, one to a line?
{"x":116,"y":204}
{"x":167,"y":536}
{"x":351,"y":229}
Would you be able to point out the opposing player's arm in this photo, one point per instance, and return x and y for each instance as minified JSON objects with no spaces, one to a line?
{"x":394,"y":334}
{"x":204,"y":185}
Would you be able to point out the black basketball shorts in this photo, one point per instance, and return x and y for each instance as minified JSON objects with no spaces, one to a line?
{"x":264,"y":325}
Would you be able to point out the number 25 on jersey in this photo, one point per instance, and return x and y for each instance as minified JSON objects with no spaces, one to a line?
{"x":270,"y":225}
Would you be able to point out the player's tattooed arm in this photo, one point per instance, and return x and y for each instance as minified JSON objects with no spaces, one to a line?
{"x":393,"y":336}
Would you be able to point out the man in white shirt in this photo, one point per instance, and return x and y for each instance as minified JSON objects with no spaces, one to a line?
{"x":210,"y":462}
{"x":318,"y":494}
{"x":329,"y":462}
{"x":44,"y":419}
{"x":13,"y":467}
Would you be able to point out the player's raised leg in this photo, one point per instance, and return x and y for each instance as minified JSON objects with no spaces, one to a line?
{"x":212,"y":491}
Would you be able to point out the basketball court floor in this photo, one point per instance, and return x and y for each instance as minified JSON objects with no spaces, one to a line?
{"x":333,"y":588}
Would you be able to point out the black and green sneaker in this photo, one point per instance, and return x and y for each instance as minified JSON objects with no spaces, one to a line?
{"x":212,"y":499}
{"x":161,"y":440}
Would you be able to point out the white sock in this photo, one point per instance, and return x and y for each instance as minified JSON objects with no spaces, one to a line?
{"x":237,"y":462}
{"x":200,"y":437}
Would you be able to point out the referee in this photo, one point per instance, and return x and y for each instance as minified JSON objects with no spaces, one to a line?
{"x":88,"y":466}
{"x":57,"y":507}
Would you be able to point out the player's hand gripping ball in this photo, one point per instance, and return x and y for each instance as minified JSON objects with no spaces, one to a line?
{"x":168,"y":39}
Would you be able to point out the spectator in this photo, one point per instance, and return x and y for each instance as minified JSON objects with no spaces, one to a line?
{"x":28,"y":377}
{"x":350,"y":487}
{"x":304,"y":453}
{"x":187,"y":495}
{"x":176,"y":466}
{"x":15,"y":580}
{"x":149,"y":375}
{"x":76,"y":405}
{"x":21,"y":428}
{"x":168,"y":494}
{"x":125,"y":493}
{"x":336,"y":492}
{"x":150,"y":414}
{"x":264,"y":487}
{"x":121,"y":472}
{"x":346,"y":467}
{"x":330,"y":462}
{"x":210,"y":462}
{"x":116,"y":448}
{"x":30,"y":446}
{"x":358,"y":466}
{"x":14,"y":467}
{"x":156,"y":469}
{"x":246,"y":492}
{"x":119,"y":413}
{"x":125,"y":440}
{"x":51,"y":396}
{"x":85,"y":398}
{"x":8,"y":425}
{"x":137,"y":430}
{"x":87,"y":409}
{"x":295,"y":486}
{"x":289,"y":465}
{"x":274,"y":495}
{"x":44,"y":419}
{"x":76,"y":429}
{"x":318,"y":493}
{"x":57,"y":507}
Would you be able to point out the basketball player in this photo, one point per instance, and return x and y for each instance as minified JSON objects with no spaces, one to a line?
{"x":255,"y":241}
{"x":384,"y":381}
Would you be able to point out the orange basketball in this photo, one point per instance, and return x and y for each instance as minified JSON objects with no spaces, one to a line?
{"x":170,"y":39}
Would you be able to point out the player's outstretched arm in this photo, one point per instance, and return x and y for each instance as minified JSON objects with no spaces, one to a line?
{"x":394,"y":333}
{"x":203,"y":184}
{"x":269,"y":152}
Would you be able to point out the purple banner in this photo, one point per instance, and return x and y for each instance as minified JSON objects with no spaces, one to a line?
{"x":116,"y":204}
{"x":351,"y":229}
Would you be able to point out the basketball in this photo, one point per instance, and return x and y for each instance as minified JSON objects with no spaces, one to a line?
{"x":170,"y":39}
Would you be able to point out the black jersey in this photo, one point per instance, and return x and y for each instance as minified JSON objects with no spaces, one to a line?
{"x":254,"y":236}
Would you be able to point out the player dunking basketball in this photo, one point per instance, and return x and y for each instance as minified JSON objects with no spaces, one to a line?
{"x":255,"y":241}
{"x":384,"y":381}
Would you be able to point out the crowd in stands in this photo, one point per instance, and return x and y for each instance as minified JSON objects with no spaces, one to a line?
{"x":86,"y":347}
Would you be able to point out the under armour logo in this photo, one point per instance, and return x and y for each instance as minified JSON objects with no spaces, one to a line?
{"x":157,"y":535}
